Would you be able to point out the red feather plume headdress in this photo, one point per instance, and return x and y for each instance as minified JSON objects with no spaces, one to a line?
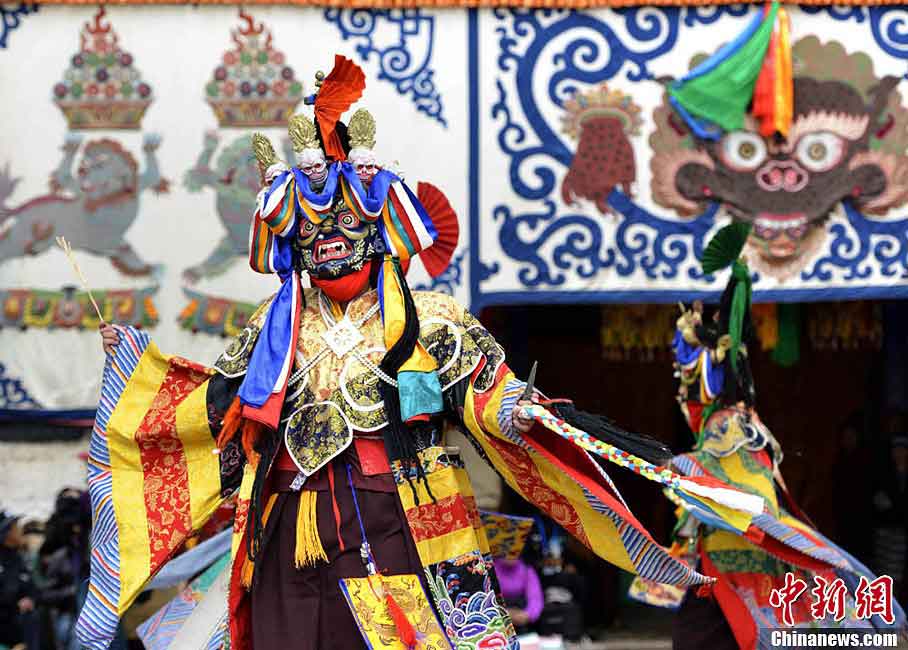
{"x":340,"y":89}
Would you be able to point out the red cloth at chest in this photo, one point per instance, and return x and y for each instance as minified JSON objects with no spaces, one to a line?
{"x":373,"y":459}
{"x":347,"y":287}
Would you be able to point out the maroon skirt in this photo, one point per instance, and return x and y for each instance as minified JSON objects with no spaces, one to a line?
{"x":700,"y":623}
{"x":304,"y":609}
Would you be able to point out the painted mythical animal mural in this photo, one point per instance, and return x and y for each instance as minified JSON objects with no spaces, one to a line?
{"x":601,"y":120}
{"x":92,"y":208}
{"x":252,"y":87}
{"x":235,"y":178}
{"x":847,"y":142}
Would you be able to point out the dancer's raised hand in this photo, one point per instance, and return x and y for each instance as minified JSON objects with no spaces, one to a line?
{"x":110,"y":338}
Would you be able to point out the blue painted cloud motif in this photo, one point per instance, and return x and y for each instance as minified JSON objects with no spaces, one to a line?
{"x":402,"y":41}
{"x":468,"y":604}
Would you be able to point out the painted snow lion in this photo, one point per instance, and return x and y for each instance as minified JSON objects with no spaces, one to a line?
{"x":93,"y":209}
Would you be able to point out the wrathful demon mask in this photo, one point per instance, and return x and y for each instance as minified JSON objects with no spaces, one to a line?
{"x":846,"y":142}
{"x":340,"y":244}
{"x":331,"y":216}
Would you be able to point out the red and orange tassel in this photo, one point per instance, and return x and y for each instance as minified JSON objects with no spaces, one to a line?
{"x":249,"y":430}
{"x":773,"y":99}
{"x":405,"y":630}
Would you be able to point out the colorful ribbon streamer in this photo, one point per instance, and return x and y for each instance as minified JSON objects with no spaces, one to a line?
{"x":773,"y":102}
{"x":686,"y":487}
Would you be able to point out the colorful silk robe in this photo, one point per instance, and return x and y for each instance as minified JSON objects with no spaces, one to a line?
{"x":749,"y":561}
{"x":156,"y":475}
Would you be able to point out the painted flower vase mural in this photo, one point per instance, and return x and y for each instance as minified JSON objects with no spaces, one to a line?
{"x":102,"y":89}
{"x":252,"y":87}
{"x":95,"y":192}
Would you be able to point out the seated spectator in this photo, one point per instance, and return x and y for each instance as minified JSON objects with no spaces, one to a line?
{"x":564,"y":591}
{"x":890,"y":503}
{"x":64,"y":563}
{"x":521,"y":591}
{"x":17,"y":591}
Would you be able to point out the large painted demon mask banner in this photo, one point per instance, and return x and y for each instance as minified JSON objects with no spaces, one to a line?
{"x":611,"y":196}
{"x":848,"y":141}
{"x":572,"y":176}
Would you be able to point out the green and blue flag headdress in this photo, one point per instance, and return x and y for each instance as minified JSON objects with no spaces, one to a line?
{"x":755,"y":69}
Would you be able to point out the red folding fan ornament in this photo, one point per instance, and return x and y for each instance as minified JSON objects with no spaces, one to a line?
{"x":343,"y":86}
{"x":437,"y":257}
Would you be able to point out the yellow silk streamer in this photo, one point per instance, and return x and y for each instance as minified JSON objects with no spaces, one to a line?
{"x":395,"y":319}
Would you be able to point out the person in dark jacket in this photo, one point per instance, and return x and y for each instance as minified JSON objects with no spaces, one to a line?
{"x":17,"y":591}
{"x":64,"y":562}
{"x":890,"y":503}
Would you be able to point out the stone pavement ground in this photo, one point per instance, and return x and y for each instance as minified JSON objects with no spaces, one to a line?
{"x":637,"y":628}
{"x":642,"y":628}
{"x":623,"y":641}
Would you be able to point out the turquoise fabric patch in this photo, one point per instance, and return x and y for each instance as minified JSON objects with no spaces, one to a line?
{"x":420,"y":393}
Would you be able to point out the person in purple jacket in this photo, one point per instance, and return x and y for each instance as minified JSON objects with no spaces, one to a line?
{"x":522,"y":592}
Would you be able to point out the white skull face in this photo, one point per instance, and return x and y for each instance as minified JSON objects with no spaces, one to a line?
{"x":364,"y":163}
{"x":312,"y":163}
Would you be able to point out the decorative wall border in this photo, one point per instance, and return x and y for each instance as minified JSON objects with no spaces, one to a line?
{"x":399,"y":63}
{"x":469,"y":4}
{"x":11,"y":18}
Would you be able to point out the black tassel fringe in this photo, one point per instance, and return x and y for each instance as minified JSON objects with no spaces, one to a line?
{"x":266,"y":447}
{"x":605,"y":430}
{"x":400,"y":441}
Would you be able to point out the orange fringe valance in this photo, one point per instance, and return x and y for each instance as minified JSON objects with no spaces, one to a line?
{"x":638,"y":332}
{"x":488,"y":4}
{"x":643,"y":333}
{"x":845,"y":326}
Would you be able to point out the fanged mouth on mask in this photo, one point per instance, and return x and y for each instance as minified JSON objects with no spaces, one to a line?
{"x":336,"y":256}
{"x":337,"y":248}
